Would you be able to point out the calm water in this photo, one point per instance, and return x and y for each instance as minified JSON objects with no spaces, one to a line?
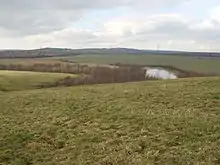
{"x":160,"y":73}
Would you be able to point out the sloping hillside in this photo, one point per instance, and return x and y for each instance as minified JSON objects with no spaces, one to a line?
{"x":23,"y":80}
{"x":158,"y":122}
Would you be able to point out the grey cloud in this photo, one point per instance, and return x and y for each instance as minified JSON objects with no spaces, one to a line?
{"x":79,"y":4}
{"x":163,"y":31}
{"x":171,"y":28}
{"x":34,"y":22}
{"x":50,"y":18}
{"x":25,"y":17}
{"x":59,"y":5}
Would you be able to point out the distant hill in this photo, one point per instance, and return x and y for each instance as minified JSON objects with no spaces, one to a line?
{"x":36,"y":53}
{"x":53,"y":52}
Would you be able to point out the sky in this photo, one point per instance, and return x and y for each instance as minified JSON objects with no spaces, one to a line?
{"x":191,"y":25}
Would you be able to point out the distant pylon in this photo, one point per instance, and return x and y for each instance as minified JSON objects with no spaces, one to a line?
{"x":158,"y":47}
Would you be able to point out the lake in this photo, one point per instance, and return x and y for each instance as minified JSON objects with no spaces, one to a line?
{"x":160,"y":73}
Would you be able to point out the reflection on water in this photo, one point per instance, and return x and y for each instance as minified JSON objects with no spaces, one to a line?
{"x":160,"y":73}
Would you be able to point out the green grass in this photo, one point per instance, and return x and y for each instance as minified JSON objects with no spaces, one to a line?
{"x":203,"y":65}
{"x":157,"y":122}
{"x":20,"y":80}
{"x":28,"y":61}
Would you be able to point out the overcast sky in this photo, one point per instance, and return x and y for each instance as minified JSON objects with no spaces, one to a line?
{"x":192,"y":25}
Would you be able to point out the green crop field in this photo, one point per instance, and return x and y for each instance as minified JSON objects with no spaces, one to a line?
{"x":203,"y":65}
{"x":156,"y":122}
{"x":20,"y":80}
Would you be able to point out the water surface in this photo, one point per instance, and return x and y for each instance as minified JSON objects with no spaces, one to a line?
{"x":160,"y":73}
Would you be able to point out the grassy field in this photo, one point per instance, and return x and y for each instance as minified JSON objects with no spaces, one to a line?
{"x":157,"y":122}
{"x":201,"y":65}
{"x":20,"y":80}
{"x":26,"y":61}
{"x":204,"y":65}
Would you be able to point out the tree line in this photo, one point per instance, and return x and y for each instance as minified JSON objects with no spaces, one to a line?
{"x":117,"y":73}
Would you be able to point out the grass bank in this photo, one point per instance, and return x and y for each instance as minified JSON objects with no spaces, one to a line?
{"x":156,"y":122}
{"x":23,"y":80}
